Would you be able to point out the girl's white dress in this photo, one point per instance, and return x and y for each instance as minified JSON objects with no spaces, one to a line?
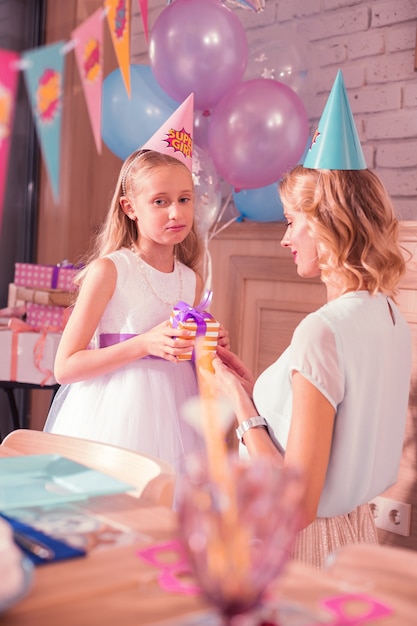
{"x":138,"y":406}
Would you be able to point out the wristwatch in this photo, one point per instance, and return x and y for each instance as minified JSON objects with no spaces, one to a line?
{"x":252,"y":422}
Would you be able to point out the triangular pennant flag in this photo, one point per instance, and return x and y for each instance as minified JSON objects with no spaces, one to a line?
{"x":118,"y":18}
{"x":175,"y":136}
{"x":8,"y":86}
{"x":335,"y":144}
{"x":88,"y":40}
{"x":44,"y":76}
{"x":143,"y":5}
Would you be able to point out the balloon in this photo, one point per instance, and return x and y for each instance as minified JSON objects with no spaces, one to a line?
{"x":198,"y":46}
{"x":261,"y":205}
{"x":201,"y":124}
{"x":256,"y":132}
{"x":207,"y":191}
{"x":128,"y":123}
{"x":264,"y":203}
{"x":286,"y":58}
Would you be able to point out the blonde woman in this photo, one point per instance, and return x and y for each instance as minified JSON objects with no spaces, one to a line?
{"x":334,"y":404}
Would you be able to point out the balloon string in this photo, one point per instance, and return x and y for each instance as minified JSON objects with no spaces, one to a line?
{"x":219,"y":230}
{"x":223,"y":209}
{"x":207,"y":263}
{"x":208,"y":269}
{"x":216,"y":230}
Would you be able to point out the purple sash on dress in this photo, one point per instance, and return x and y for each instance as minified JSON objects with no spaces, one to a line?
{"x":110,"y":339}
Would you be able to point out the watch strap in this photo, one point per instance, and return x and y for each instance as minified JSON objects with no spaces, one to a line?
{"x":251,"y":422}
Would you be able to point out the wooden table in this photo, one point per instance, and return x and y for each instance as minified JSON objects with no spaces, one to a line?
{"x":115,"y":587}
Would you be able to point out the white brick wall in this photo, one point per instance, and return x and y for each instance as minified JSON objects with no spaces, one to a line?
{"x":373,"y":43}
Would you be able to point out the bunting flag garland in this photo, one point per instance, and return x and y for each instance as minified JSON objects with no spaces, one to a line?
{"x":8,"y":87}
{"x":43,"y":70}
{"x":44,"y":76}
{"x":88,"y":40}
{"x":143,"y":5}
{"x":118,"y":17}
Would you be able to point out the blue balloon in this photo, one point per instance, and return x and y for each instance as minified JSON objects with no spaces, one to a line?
{"x":127,"y":123}
{"x":260,"y":205}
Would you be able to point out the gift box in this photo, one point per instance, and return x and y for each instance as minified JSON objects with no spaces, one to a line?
{"x":44,"y":316}
{"x":60,"y":276}
{"x":52,"y":297}
{"x":28,"y":356}
{"x":199,"y":321}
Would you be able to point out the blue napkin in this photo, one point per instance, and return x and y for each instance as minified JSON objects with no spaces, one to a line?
{"x":60,"y":549}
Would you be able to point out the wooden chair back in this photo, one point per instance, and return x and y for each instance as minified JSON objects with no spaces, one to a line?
{"x":152,"y":479}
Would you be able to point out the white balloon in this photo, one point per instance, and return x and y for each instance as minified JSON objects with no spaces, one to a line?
{"x":207,"y":189}
{"x":287,"y":58}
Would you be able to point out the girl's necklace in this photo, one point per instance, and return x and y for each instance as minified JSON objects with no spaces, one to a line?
{"x":143,"y":267}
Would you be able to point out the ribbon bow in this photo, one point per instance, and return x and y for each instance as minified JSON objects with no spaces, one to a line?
{"x":183,"y":312}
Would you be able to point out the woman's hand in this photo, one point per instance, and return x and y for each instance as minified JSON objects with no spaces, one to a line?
{"x":235,"y":365}
{"x":229,"y":378}
{"x":223,"y":339}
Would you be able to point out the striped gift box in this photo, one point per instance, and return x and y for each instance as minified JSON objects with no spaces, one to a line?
{"x":210,"y":336}
{"x":184,"y":316}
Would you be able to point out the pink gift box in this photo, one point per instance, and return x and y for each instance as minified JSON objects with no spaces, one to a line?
{"x":45,"y":276}
{"x":47,"y":316}
{"x":28,"y":357}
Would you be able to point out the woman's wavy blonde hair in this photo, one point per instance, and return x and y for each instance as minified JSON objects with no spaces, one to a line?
{"x":351,"y":217}
{"x":119,"y":231}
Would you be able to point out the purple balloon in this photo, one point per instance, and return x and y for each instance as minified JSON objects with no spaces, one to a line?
{"x":200,"y":47}
{"x":257,"y":132}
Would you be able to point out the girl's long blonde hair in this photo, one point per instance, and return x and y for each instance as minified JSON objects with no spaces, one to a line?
{"x":351,"y":217}
{"x":119,"y":231}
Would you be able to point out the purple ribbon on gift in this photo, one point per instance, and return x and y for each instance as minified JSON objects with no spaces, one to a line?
{"x":184,"y":312}
{"x":63,"y":265}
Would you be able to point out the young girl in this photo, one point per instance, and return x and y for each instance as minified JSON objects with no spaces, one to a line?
{"x":128,"y":390}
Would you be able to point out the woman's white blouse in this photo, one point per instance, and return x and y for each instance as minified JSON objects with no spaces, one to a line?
{"x":360,"y":360}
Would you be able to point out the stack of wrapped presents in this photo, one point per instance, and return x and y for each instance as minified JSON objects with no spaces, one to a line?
{"x":39,"y":304}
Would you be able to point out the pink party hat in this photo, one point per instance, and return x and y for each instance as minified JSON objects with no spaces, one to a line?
{"x":175,"y":136}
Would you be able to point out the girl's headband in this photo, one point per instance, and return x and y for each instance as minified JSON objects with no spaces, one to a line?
{"x":127,"y":170}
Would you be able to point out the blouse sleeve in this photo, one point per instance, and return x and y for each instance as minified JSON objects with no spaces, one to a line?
{"x":314,"y":353}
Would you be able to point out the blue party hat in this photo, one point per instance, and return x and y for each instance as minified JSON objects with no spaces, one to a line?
{"x":336,"y":145}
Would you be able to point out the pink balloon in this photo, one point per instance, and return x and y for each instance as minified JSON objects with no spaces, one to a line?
{"x":257,"y":131}
{"x":200,"y":47}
